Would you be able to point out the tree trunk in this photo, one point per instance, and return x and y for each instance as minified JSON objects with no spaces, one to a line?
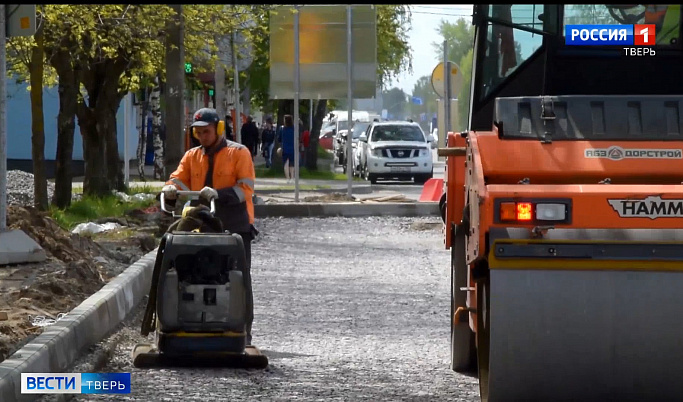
{"x":142,"y":137}
{"x":106,"y":125}
{"x":312,"y":155}
{"x":97,"y":119}
{"x":94,"y":147}
{"x":38,"y":123}
{"x":155,"y":103}
{"x":66,"y":125}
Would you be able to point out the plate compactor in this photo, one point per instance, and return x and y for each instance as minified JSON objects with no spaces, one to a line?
{"x":197,"y":298}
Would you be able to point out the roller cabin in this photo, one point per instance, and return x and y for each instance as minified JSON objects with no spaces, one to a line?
{"x":563,"y":209}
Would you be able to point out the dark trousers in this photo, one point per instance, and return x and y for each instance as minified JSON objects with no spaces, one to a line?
{"x":247,"y":238}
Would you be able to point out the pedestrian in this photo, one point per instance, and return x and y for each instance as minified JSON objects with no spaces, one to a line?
{"x":250,"y":136}
{"x":228,"y":128}
{"x":268,"y":139}
{"x":286,"y":138}
{"x":224,"y":171}
{"x":305,"y":140}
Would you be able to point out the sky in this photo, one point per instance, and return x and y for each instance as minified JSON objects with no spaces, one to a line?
{"x":425,"y":21}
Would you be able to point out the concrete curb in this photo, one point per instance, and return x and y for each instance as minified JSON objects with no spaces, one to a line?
{"x":62,"y":343}
{"x":347,"y":209}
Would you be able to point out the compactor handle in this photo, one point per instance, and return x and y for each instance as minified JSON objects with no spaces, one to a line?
{"x":193,"y":195}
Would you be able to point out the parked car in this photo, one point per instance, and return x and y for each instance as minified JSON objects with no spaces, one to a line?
{"x":358,"y":129}
{"x":396,"y":150}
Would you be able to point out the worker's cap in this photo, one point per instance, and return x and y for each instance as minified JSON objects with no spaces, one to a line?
{"x":204,"y":117}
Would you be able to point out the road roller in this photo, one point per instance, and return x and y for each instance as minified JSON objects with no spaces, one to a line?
{"x":563,"y":206}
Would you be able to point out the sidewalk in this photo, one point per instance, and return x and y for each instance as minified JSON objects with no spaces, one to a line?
{"x":261,"y":184}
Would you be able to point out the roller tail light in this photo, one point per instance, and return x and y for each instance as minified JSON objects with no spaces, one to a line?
{"x":533,"y":211}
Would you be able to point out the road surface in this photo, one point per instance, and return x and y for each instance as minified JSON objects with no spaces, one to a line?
{"x":346,"y":310}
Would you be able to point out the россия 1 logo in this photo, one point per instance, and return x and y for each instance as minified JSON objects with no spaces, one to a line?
{"x":605,"y":35}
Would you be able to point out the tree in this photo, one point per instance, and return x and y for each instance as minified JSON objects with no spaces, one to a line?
{"x":155,"y":105}
{"x":466,"y":90}
{"x":423,"y":89}
{"x":395,"y":102}
{"x":460,"y":38}
{"x":393,"y":51}
{"x":38,"y":120}
{"x":27,"y":60}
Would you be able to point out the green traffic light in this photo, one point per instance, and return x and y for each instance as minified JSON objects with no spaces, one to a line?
{"x":188,"y":68}
{"x":210,"y":92}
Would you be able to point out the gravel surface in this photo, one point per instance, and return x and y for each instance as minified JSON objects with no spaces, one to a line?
{"x":20,"y":188}
{"x":346,"y":310}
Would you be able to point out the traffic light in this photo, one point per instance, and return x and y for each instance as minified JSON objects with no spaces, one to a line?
{"x":211,"y":92}
{"x":188,"y":68}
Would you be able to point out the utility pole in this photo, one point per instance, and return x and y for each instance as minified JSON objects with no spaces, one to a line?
{"x":3,"y":121}
{"x":238,"y":111}
{"x":349,"y":71}
{"x":310,"y":116}
{"x":297,"y":89}
{"x":175,"y":90}
{"x":16,"y":247}
{"x":447,"y":93}
{"x":219,"y":79}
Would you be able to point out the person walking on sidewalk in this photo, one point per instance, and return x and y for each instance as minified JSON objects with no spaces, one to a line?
{"x":250,"y":136}
{"x":305,"y":140}
{"x":222,"y":170}
{"x":228,"y":128}
{"x":268,"y":139}
{"x":286,"y":138}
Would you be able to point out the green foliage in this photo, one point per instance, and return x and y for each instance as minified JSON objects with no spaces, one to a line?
{"x":460,"y":37}
{"x":393,"y":51}
{"x":395,"y":102}
{"x":259,"y":70}
{"x":89,"y":208}
{"x":423,"y":89}
{"x":323,"y":153}
{"x":143,"y":189}
{"x":19,"y":57}
{"x":466,"y":90}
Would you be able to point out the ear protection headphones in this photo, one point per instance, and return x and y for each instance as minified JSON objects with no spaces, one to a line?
{"x":220,"y":130}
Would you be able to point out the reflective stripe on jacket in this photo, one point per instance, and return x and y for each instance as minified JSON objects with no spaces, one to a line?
{"x":233,"y":177}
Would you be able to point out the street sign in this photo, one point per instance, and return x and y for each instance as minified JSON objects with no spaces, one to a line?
{"x":323,"y":53}
{"x":456,"y":79}
{"x":21,"y":19}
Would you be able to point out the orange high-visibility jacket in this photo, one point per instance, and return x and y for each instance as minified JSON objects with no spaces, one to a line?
{"x":233,"y":177}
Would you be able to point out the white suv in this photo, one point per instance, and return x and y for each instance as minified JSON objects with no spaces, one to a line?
{"x":396,"y":150}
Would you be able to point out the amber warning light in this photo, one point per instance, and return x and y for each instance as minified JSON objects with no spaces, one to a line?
{"x":526,"y":211}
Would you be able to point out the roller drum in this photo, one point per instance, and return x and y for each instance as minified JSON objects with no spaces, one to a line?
{"x":588,"y":335}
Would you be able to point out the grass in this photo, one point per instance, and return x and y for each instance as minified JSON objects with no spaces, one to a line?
{"x":92,"y":208}
{"x":120,"y":234}
{"x":324,"y":154}
{"x":145,"y":189}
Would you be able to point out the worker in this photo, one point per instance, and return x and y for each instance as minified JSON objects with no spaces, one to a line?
{"x":222,"y":170}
